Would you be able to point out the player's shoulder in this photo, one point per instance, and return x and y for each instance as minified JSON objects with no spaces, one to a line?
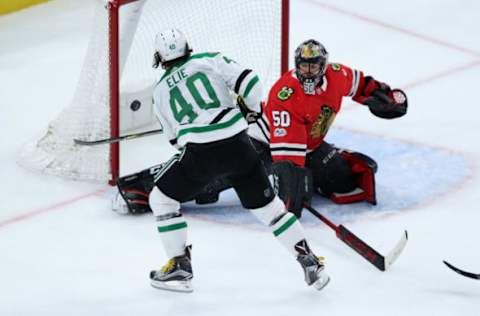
{"x":204,"y":55}
{"x":337,"y":70}
{"x":285,"y":87}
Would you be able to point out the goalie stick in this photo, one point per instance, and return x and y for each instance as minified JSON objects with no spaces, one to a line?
{"x":361,"y":247}
{"x":462,"y":272}
{"x":116,"y":139}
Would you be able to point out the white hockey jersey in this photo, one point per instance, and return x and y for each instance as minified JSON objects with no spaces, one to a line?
{"x":193,"y":99}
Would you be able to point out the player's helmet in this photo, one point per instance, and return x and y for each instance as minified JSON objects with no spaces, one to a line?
{"x":170,"y":46}
{"x":311,"y":60}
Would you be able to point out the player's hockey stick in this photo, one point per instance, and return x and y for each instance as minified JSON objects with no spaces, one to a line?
{"x":116,"y":139}
{"x":462,"y":272}
{"x":373,"y":256}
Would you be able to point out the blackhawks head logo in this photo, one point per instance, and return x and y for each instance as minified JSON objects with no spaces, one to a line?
{"x":322,"y":123}
{"x":285,"y":93}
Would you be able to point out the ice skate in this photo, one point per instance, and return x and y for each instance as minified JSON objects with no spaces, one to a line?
{"x":175,"y":275}
{"x":312,"y":265}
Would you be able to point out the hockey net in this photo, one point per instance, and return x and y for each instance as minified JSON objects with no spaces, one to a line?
{"x":115,"y":87}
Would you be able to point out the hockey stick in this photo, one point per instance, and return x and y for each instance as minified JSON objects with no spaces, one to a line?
{"x":463,"y":272}
{"x":116,"y":139}
{"x":373,"y":256}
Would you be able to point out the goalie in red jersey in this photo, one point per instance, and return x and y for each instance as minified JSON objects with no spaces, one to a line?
{"x":301,"y":107}
{"x":289,"y":136}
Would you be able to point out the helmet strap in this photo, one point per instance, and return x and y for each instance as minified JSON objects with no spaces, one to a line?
{"x":156,"y":60}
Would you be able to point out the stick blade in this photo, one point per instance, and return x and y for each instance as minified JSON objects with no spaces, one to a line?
{"x":395,"y":252}
{"x":463,"y":272}
{"x":82,"y":142}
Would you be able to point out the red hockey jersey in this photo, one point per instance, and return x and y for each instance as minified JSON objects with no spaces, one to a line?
{"x":299,"y":122}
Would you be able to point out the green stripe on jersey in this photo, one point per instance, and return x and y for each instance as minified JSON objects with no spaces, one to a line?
{"x":285,"y":226}
{"x":250,"y":86}
{"x":213,"y":127}
{"x":163,"y":229}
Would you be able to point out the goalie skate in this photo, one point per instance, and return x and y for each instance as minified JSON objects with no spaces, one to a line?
{"x":175,"y":275}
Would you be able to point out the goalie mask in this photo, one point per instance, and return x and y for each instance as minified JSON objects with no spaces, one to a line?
{"x":170,"y":46}
{"x":311,"y":60}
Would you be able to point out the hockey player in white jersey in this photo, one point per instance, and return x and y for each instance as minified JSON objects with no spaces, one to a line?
{"x":194,"y":104}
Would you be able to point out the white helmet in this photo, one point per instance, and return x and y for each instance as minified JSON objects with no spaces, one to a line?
{"x":170,"y":45}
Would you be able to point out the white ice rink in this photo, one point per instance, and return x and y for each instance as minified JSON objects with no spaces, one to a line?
{"x":64,"y":252}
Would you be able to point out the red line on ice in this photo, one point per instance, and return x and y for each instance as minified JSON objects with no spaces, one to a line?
{"x":444,"y":73}
{"x":38,"y":211}
{"x":396,"y":28}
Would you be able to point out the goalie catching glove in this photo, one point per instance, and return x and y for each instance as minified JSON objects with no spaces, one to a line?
{"x":382,"y":101}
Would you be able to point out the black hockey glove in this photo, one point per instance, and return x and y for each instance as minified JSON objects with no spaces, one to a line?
{"x":249,"y":115}
{"x":381,"y":99}
{"x":387,"y":104}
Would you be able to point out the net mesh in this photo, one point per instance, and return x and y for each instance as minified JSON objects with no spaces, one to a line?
{"x":247,"y":31}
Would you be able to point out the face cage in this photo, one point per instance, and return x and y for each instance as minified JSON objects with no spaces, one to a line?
{"x":309,"y":83}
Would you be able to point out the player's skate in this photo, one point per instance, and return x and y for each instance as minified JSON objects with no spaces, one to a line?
{"x":175,"y":275}
{"x":312,"y":266}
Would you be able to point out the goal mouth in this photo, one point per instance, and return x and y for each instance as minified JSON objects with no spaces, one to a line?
{"x":114,"y":91}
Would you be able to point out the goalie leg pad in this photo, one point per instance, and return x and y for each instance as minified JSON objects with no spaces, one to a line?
{"x":293,"y":184}
{"x":134,"y":190}
{"x":331,"y":173}
{"x":364,"y":168}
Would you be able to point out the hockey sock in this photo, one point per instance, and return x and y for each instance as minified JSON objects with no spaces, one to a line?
{"x":285,"y":225}
{"x":288,"y":231}
{"x":173,"y":232}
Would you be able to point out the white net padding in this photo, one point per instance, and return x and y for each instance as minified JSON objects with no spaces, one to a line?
{"x":248,"y":31}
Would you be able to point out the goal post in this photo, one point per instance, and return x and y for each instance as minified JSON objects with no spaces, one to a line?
{"x":114,"y":92}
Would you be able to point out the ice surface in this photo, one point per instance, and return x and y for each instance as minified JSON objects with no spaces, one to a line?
{"x":63,"y":252}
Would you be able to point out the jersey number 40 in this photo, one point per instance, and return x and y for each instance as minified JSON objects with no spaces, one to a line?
{"x":180,"y":106}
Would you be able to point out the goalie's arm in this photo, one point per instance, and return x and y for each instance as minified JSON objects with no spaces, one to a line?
{"x":381,"y":100}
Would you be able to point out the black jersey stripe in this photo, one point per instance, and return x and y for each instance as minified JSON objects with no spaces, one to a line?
{"x":264,"y":124}
{"x":287,"y":149}
{"x":220,"y":116}
{"x":267,"y":136}
{"x":240,"y":79}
